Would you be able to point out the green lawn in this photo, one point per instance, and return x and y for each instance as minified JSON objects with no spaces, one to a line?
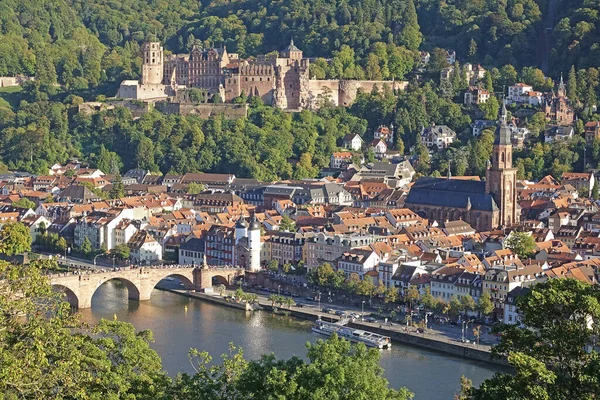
{"x":10,"y":97}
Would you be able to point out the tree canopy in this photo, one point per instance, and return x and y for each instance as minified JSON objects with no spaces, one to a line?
{"x":552,"y":353}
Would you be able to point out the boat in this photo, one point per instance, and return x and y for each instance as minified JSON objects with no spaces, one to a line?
{"x":354,"y":335}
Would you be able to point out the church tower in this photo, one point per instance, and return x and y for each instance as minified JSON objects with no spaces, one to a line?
{"x":152,"y":63}
{"x":501,"y":177}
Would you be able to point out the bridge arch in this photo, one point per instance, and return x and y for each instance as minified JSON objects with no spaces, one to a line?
{"x":187,"y":281}
{"x":221,"y":280}
{"x":133,"y":291}
{"x":71,"y":297}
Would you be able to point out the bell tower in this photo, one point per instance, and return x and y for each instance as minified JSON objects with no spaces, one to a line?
{"x":501,"y":177}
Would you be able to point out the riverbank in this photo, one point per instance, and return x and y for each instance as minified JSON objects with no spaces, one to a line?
{"x":396,"y":333}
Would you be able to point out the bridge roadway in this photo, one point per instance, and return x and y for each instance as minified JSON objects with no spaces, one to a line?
{"x":79,"y":286}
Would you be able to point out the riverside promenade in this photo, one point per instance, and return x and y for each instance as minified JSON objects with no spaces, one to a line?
{"x":398,"y":333}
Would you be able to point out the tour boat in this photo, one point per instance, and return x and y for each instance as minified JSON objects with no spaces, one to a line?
{"x":354,"y":335}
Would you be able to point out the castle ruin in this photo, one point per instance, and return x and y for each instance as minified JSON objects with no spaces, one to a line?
{"x":281,"y":80}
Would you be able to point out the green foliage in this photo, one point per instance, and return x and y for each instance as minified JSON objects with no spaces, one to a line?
{"x":24,"y":203}
{"x":117,"y":190}
{"x":391,"y":295}
{"x":484,"y":304}
{"x":551,"y":354}
{"x":287,"y":224}
{"x":490,"y":108}
{"x":194,"y":188}
{"x":334,"y":370}
{"x":51,"y":354}
{"x":273,"y":265}
{"x":121,"y":251}
{"x":86,"y":247}
{"x":14,"y":239}
{"x":324,"y":275}
{"x":520,"y":243}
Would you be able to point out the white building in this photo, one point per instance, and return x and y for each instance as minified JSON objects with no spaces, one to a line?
{"x":437,"y":136}
{"x":353,"y":141}
{"x":144,"y":249}
{"x":340,"y":159}
{"x":512,"y":316}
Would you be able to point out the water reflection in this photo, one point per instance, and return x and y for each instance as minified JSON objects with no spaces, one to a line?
{"x":208,"y":327}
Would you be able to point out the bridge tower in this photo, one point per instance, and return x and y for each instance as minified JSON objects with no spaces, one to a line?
{"x":254,"y":245}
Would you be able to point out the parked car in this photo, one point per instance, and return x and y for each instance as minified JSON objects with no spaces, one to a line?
{"x":370,"y":319}
{"x":300,"y":305}
{"x":327,"y":310}
{"x":340,"y":313}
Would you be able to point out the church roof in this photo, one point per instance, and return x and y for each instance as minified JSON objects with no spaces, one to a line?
{"x":453,"y":193}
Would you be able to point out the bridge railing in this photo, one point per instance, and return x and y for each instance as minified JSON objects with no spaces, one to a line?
{"x":83,"y":270}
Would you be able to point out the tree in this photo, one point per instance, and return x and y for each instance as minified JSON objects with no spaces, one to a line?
{"x":438,"y":60}
{"x":221,"y":288}
{"x":109,"y":162}
{"x":490,"y":108}
{"x":410,"y":35}
{"x":334,"y":370}
{"x":391,"y":295}
{"x":51,"y":354}
{"x":489,"y":85}
{"x":484,"y":304}
{"x":572,"y":85}
{"x":121,"y":251}
{"x":551,"y":352}
{"x":14,"y":239}
{"x":594,"y":194}
{"x":24,"y":203}
{"x":325,"y":275}
{"x":411,"y":295}
{"x":287,"y":224}
{"x":289,"y":302}
{"x":118,"y":189}
{"x":61,"y":244}
{"x":467,"y":303}
{"x":273,"y":265}
{"x":520,"y":243}
{"x":86,"y":247}
{"x":455,"y":305}
{"x":428,"y":300}
{"x":194,"y":188}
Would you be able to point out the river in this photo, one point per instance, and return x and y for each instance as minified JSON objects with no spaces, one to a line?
{"x":430,"y":375}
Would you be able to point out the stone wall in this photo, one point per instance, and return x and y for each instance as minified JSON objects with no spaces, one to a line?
{"x":203,"y":110}
{"x":12,"y":81}
{"x":323,"y":89}
{"x":350,"y":88}
{"x":344,"y":92}
{"x":136,"y":107}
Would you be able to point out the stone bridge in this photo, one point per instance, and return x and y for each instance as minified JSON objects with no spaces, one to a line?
{"x":79,"y":288}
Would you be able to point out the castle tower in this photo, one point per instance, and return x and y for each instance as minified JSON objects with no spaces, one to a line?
{"x":254,"y":245}
{"x":501,"y":177}
{"x":292,"y":52}
{"x":152,"y":63}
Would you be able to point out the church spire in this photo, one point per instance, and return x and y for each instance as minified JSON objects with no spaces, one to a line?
{"x":561,"y":87}
{"x":503,"y":112}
